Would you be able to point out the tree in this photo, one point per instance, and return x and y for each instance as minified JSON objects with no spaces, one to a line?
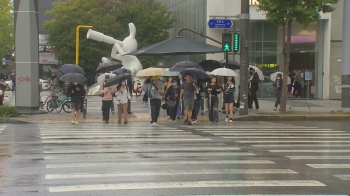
{"x":282,"y":14}
{"x":6,"y":28}
{"x":111,"y":17}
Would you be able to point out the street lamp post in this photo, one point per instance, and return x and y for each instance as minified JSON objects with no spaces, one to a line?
{"x":77,"y":36}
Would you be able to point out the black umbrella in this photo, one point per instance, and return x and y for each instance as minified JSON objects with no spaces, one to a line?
{"x":210,"y":65}
{"x":116,"y":79}
{"x":121,"y":71}
{"x":110,"y":66}
{"x":176,"y":46}
{"x":71,"y":68}
{"x":231,"y":64}
{"x":184,"y":65}
{"x":195,"y":73}
{"x":73,"y":77}
{"x":57,"y":73}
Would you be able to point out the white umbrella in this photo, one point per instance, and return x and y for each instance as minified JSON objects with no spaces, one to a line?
{"x":101,"y":78}
{"x":224,"y":72}
{"x":274,"y":76}
{"x":152,"y":72}
{"x":258,"y":71}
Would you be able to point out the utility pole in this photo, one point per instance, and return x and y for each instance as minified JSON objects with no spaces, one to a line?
{"x":346,"y":59}
{"x":244,"y":57}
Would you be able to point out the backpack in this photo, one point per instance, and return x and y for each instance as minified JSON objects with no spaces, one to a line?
{"x":151,"y":91}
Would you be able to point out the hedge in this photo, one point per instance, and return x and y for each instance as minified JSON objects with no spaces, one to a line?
{"x":8,"y":112}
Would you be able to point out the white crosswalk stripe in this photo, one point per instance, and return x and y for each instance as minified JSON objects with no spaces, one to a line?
{"x":145,"y":156}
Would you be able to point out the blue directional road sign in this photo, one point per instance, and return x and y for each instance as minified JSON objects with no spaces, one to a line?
{"x":220,"y":23}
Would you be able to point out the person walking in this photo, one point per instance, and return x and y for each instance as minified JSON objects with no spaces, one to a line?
{"x":130,"y":85}
{"x":172,"y":97}
{"x":253,"y":89}
{"x":187,"y":97}
{"x":56,"y":88}
{"x":167,"y":85}
{"x":13,"y":80}
{"x":278,"y":90}
{"x":155,"y":91}
{"x":229,"y":99}
{"x":107,"y":94}
{"x":122,"y":100}
{"x":76,"y":92}
{"x":213,"y":90}
{"x":198,"y":100}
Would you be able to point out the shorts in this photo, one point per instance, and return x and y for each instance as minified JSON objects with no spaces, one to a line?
{"x":75,"y":106}
{"x":229,"y":98}
{"x":189,"y":104}
{"x":289,"y":88}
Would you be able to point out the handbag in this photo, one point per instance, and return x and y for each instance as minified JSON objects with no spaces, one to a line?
{"x":171,"y":103}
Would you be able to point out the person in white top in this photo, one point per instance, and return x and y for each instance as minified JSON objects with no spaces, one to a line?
{"x":122,"y":98}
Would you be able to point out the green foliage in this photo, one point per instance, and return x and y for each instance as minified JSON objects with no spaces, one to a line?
{"x":111,"y":17}
{"x":6,"y":28}
{"x":8,"y":112}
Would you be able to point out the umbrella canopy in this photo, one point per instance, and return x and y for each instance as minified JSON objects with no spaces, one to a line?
{"x":121,"y":71}
{"x":274,"y":76}
{"x":196,"y":73}
{"x":101,"y":78}
{"x":177,"y":46}
{"x":224,"y":72}
{"x":172,"y":74}
{"x":56,"y":72}
{"x":180,"y":66}
{"x":210,"y":65}
{"x":115,"y":80}
{"x":258,"y":71}
{"x":231,"y":64}
{"x":71,"y":68}
{"x":73,"y":77}
{"x":151,"y":72}
{"x":110,"y":66}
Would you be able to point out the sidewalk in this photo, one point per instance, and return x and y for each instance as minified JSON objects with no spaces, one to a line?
{"x":305,"y":110}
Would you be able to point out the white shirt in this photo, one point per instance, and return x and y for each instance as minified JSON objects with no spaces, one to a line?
{"x":122,"y":95}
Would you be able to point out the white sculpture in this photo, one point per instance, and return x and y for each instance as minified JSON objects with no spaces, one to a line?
{"x":120,"y":48}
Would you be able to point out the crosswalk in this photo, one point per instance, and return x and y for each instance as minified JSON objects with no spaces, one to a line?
{"x":100,"y":159}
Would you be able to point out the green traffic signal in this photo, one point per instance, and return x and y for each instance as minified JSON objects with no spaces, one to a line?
{"x":227,"y":48}
{"x":236,"y":42}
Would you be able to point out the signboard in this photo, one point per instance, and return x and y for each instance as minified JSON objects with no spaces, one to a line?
{"x":42,"y":39}
{"x":47,"y":58}
{"x":308,"y":75}
{"x":220,"y":23}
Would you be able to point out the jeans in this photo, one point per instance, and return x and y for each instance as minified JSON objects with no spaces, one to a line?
{"x":112,"y":106}
{"x":179,"y":110}
{"x":214,"y":103}
{"x":173,"y":111}
{"x":106,"y":106}
{"x":252,"y":97}
{"x":13,"y":86}
{"x":196,"y":109}
{"x":155,"y":108}
{"x":278,"y":98}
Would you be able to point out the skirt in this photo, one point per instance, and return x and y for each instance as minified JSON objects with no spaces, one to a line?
{"x":229,"y":98}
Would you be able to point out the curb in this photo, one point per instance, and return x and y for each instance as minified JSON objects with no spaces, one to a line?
{"x":293,"y":118}
{"x":13,"y":121}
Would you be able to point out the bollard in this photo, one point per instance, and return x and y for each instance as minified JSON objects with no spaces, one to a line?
{"x":84,"y":108}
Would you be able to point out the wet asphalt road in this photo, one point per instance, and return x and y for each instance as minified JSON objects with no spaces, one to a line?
{"x":243,"y":158}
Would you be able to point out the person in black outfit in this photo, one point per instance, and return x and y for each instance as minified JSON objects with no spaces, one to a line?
{"x":213,"y":90}
{"x":198,"y":100}
{"x":173,"y":93}
{"x":130,"y":85}
{"x":253,"y":89}
{"x":76,"y":92}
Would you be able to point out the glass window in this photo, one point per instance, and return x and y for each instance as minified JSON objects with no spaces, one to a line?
{"x":270,"y":32}
{"x":256,"y":30}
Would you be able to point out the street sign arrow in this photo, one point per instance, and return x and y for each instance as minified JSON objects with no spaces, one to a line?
{"x":220,"y":23}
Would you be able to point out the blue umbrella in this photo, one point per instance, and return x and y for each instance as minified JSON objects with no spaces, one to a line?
{"x":121,"y":71}
{"x":195,"y":73}
{"x":71,"y":68}
{"x":73,"y":77}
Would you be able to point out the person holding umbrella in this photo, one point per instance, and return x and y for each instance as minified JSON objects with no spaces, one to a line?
{"x":77,"y":92}
{"x":278,"y":91}
{"x":228,"y":90}
{"x":155,"y":91}
{"x":122,"y":100}
{"x":172,"y":97}
{"x":107,"y":96}
{"x":213,"y":90}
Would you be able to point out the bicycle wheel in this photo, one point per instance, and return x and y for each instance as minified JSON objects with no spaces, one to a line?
{"x":138,"y":91}
{"x":67,"y":107}
{"x":50,"y":106}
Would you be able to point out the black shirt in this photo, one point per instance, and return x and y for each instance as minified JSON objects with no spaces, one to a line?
{"x":214,"y":89}
{"x":76,"y":95}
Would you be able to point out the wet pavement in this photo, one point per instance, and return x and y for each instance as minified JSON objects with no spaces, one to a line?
{"x":243,"y":158}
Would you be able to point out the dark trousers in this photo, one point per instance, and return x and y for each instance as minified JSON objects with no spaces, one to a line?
{"x":129,"y":102}
{"x":252,"y":97}
{"x":214,"y":103}
{"x":106,"y":105}
{"x":196,"y":109}
{"x":173,"y":111}
{"x":297,"y":89}
{"x":278,"y":98}
{"x":155,"y":108}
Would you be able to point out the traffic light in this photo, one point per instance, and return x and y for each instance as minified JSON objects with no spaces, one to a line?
{"x":227,"y":42}
{"x":236,"y":42}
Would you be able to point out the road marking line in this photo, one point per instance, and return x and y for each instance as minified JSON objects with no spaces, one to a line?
{"x":128,"y":150}
{"x":187,"y":184}
{"x":271,"y":132}
{"x":279,"y":133}
{"x":120,"y":136}
{"x":113,"y":164}
{"x":125,"y":140}
{"x":282,"y":137}
{"x":329,"y":166}
{"x":116,"y":133}
{"x":321,"y":151}
{"x":318,"y":157}
{"x":343,"y":177}
{"x":127,"y":145}
{"x":293,"y":141}
{"x":109,"y":129}
{"x":169,"y":173}
{"x":301,"y":145}
{"x":265,"y":195}
{"x":259,"y":129}
{"x":137,"y":155}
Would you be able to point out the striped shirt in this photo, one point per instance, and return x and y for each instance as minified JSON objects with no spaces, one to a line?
{"x":229,"y":89}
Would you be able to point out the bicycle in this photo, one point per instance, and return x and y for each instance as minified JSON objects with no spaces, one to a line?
{"x":50,"y":105}
{"x":138,"y":89}
{"x":66,"y":104}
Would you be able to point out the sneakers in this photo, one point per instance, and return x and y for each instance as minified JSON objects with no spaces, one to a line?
{"x":226,"y":119}
{"x":189,"y":123}
{"x":77,"y":123}
{"x":274,"y":108}
{"x":168,"y":117}
{"x":194,"y":121}
{"x":73,"y":122}
{"x":154,"y":124}
{"x":231,"y":120}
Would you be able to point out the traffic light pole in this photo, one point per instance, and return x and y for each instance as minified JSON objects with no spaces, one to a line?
{"x":346,"y":59}
{"x":244,"y":57}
